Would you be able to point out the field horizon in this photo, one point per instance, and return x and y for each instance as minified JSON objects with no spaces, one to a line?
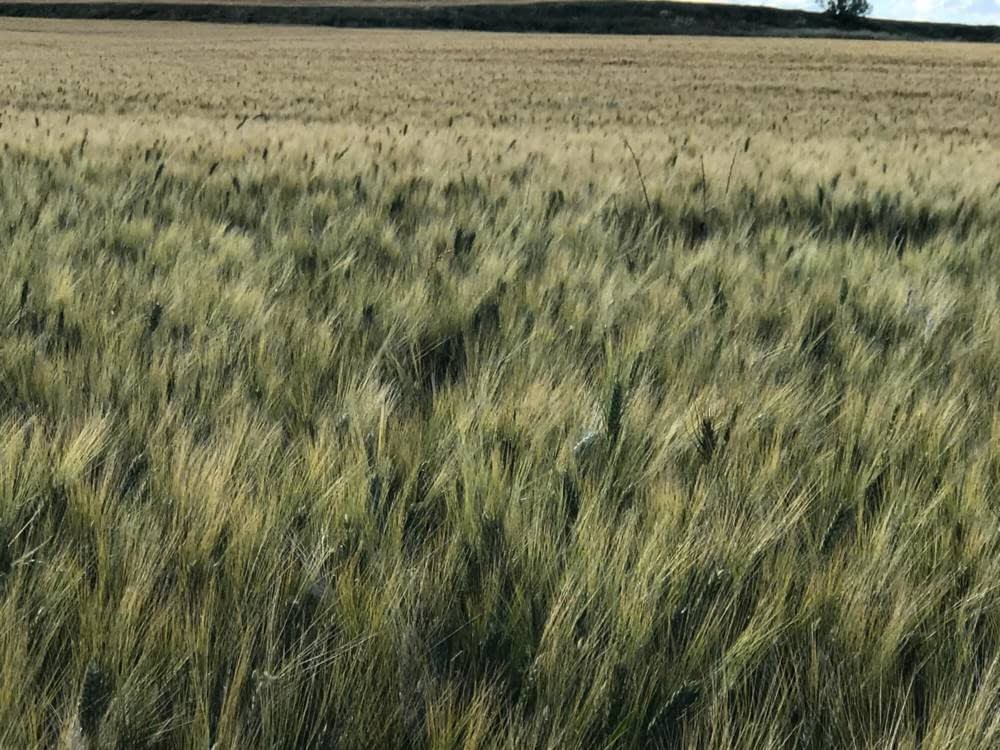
{"x":633,"y":17}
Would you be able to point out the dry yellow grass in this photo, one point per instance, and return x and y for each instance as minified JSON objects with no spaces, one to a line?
{"x":353,"y":393}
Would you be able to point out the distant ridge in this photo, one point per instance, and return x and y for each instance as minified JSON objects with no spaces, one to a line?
{"x":593,"y":17}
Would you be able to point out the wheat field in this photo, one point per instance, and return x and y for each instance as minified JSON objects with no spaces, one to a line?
{"x":396,"y":389}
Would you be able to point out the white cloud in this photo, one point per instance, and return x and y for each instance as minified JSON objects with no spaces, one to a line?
{"x":953,"y":11}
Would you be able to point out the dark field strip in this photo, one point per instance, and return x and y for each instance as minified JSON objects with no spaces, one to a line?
{"x":648,"y":18}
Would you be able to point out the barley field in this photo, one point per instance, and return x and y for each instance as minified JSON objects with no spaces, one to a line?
{"x":443,"y":390}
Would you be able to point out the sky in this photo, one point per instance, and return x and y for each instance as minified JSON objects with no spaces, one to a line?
{"x":954,"y":11}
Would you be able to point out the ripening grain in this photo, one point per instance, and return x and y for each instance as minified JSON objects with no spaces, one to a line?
{"x":360,"y":389}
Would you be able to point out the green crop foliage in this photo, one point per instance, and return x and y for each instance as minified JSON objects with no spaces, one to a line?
{"x":357,"y":392}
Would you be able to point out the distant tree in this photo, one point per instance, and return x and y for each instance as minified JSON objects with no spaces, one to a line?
{"x":846,"y":8}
